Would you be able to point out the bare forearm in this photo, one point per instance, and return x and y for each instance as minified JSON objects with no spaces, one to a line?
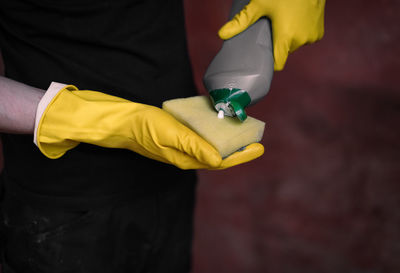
{"x":18,"y":103}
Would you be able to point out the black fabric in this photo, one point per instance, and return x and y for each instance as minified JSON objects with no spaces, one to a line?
{"x":148,"y":234}
{"x":96,"y":209}
{"x":134,"y":49}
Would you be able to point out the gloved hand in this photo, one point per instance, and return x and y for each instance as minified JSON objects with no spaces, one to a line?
{"x":67,"y":116}
{"x":294,"y":23}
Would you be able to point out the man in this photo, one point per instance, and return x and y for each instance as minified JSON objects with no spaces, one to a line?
{"x":120,"y":195}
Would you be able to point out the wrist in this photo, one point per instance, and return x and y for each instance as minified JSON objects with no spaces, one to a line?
{"x":54,"y":89}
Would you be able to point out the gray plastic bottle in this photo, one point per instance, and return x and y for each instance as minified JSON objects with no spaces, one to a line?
{"x":241,"y":72}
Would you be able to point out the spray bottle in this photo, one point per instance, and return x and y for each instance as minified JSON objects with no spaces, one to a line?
{"x":241,"y":72}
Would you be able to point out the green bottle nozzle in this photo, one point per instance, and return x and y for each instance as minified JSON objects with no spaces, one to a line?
{"x":231,"y":101}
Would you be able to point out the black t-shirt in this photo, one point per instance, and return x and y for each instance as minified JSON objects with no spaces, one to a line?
{"x":134,"y":49}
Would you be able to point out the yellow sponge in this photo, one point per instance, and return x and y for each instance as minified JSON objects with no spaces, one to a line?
{"x":227,"y":135}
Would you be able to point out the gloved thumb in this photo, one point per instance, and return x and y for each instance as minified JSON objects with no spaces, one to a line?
{"x":245,"y":18}
{"x":249,"y":153}
{"x":281,"y":52}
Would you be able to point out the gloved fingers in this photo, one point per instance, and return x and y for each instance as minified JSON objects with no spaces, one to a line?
{"x":191,"y":147}
{"x":159,"y":133}
{"x":175,"y":157}
{"x":168,"y":134}
{"x":186,"y":162}
{"x":241,"y":21}
{"x":249,"y":153}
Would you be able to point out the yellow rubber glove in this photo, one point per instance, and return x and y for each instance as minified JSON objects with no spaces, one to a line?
{"x":294,"y":23}
{"x":72,"y":116}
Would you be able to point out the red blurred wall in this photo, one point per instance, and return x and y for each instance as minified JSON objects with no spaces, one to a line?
{"x":325,"y":196}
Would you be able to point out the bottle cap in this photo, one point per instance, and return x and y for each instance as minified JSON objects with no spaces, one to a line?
{"x":232,"y":101}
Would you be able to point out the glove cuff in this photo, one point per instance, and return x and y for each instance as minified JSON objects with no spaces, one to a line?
{"x":46,"y":100}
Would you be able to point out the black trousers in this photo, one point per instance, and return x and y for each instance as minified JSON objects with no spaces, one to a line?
{"x":151,"y":233}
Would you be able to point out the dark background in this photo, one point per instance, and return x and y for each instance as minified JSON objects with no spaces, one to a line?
{"x":325,"y":196}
